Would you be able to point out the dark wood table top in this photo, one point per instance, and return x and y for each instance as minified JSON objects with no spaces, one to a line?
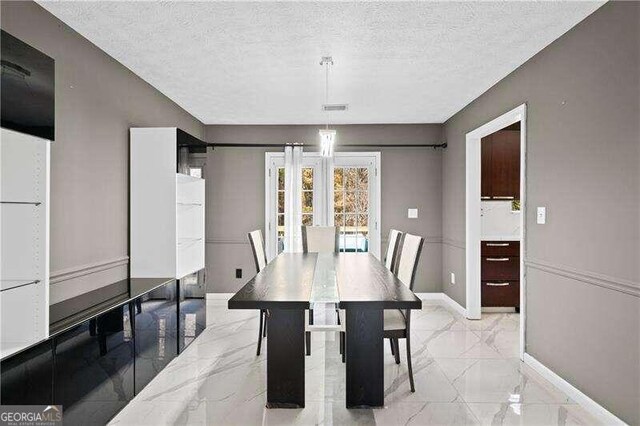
{"x":285,"y":283}
{"x":362,"y":280}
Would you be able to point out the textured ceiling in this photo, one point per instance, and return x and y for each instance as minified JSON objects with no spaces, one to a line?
{"x":258,"y":63}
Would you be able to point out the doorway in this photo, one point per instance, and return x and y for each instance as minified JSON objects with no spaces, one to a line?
{"x":342,"y":191}
{"x":474,"y":193}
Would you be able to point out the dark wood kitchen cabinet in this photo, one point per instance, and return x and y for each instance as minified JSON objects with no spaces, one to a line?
{"x":500,"y":274}
{"x":501,"y":165}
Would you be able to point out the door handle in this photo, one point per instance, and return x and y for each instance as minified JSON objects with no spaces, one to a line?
{"x":497,"y":259}
{"x":497,"y":284}
{"x":497,"y":244}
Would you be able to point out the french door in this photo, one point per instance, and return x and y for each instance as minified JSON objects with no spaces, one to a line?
{"x":342,"y":191}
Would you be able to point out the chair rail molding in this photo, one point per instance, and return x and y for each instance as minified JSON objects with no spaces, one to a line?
{"x":587,"y":277}
{"x":86,"y":269}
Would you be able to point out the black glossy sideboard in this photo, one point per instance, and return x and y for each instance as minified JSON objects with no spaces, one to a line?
{"x":104,"y":347}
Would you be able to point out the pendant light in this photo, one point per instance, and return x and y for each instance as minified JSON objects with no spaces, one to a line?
{"x":327,"y":136}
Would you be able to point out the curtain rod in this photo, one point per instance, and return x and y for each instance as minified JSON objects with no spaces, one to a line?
{"x":282,"y":145}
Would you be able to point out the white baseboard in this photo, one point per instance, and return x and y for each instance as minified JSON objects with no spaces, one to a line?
{"x":219,"y":296}
{"x":444,"y":299}
{"x":595,"y":409}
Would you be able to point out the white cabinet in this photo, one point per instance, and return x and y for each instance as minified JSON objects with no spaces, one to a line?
{"x":166,"y":208}
{"x":24,"y":240}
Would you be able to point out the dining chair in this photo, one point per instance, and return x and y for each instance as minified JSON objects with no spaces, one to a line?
{"x":397,"y":323}
{"x":319,"y":239}
{"x":392,"y":249}
{"x":260,"y":258}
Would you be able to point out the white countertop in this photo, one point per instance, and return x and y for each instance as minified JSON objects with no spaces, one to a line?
{"x":500,"y":238}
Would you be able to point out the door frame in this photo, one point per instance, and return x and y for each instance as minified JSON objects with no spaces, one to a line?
{"x":473,"y":211}
{"x":374,"y":196}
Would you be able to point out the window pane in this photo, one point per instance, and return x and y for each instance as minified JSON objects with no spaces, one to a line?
{"x":307,"y":202}
{"x":307,"y":219}
{"x":338,"y":201}
{"x":363,"y":222}
{"x":350,"y":221}
{"x":280,"y":201}
{"x":362,"y":201}
{"x":337,"y":179}
{"x":281,"y":178}
{"x":280,"y":220}
{"x":363,"y":179}
{"x":350,"y":178}
{"x":350,"y":202}
{"x":338,"y":220}
{"x":307,"y":178}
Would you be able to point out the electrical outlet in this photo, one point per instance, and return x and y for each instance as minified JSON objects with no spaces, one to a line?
{"x":453,"y":278}
{"x":238,"y":273}
{"x":412,"y":213}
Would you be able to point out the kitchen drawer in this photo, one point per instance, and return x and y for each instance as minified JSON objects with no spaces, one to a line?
{"x":500,"y":248}
{"x":500,"y":268}
{"x":498,"y":293}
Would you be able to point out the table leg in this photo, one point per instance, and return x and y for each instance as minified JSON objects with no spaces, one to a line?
{"x":285,"y":359}
{"x":365,"y":367}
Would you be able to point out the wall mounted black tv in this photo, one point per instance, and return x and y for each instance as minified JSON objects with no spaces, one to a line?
{"x":27,"y":88}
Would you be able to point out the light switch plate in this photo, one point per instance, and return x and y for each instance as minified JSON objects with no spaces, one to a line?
{"x":453,"y":278}
{"x":541,"y":216}
{"x":412,"y":213}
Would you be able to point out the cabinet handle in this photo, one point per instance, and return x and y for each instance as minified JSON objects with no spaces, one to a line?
{"x":497,"y":259}
{"x":497,"y":244}
{"x":503,"y":197}
{"x":485,"y":198}
{"x":498,"y":284}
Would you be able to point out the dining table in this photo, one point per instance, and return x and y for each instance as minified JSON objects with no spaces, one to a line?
{"x":292,"y":283}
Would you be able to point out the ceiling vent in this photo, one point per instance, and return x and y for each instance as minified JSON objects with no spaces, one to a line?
{"x":335,"y":107}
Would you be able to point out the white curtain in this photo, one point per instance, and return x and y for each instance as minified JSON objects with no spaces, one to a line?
{"x":293,"y":199}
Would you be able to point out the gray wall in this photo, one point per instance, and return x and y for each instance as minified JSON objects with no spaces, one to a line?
{"x":411,"y":177}
{"x":97,"y":100}
{"x":583,"y":164}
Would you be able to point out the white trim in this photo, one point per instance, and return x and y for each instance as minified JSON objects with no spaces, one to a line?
{"x":472,"y":212}
{"x":595,"y":409}
{"x":218,"y":296}
{"x":443,"y":299}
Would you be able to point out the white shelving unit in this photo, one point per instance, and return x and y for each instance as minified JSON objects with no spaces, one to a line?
{"x":24,"y":240}
{"x":166,"y":208}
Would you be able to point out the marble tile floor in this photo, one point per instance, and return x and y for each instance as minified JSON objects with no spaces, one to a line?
{"x":466,"y":372}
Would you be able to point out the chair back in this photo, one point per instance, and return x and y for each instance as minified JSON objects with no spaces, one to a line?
{"x":257,"y":246}
{"x":407,"y":263}
{"x":320,"y":239}
{"x":392,"y":249}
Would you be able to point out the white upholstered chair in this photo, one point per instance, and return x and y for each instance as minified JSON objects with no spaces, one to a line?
{"x":320,"y":239}
{"x":260,"y":258}
{"x":392,"y":249}
{"x":397,"y":322}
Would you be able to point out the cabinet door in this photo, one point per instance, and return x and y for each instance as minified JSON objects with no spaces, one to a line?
{"x":505,"y":164}
{"x":485,"y":182}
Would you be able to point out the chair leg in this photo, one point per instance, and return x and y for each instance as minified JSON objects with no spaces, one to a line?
{"x":343,"y":344}
{"x":391,"y":344}
{"x":307,"y":341}
{"x":413,"y":388}
{"x":396,"y":345}
{"x":259,"y":335}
